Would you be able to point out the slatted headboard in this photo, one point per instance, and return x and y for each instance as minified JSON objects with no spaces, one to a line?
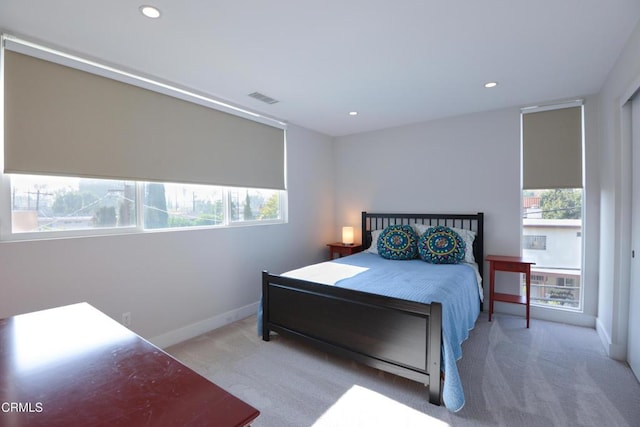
{"x":474,"y":222}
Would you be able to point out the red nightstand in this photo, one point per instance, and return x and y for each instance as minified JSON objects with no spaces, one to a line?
{"x":515,"y":265}
{"x":343,"y":250}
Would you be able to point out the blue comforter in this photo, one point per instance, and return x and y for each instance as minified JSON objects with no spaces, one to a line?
{"x":454,"y":286}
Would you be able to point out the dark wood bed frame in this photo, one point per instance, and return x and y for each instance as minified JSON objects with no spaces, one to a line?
{"x":394,"y":335}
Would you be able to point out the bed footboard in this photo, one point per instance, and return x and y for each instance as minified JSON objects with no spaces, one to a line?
{"x":394,"y":335}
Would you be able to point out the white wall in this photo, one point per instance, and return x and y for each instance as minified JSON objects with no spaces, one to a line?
{"x":463,"y":164}
{"x":615,"y":197}
{"x":177,"y":284}
{"x":435,"y":167}
{"x":452,"y":165}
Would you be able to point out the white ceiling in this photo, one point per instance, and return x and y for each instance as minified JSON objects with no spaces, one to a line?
{"x":395,"y":62}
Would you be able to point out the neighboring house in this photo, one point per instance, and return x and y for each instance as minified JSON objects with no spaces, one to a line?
{"x":555,"y":245}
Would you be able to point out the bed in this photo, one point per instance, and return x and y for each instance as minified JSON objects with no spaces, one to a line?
{"x":416,"y":338}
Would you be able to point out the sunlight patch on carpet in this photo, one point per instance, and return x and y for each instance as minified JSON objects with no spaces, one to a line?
{"x":360,"y":406}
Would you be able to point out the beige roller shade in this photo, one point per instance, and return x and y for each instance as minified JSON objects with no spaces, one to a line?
{"x":63,"y":121}
{"x":552,"y":149}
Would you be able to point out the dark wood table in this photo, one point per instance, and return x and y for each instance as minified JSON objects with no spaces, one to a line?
{"x":74,"y":365}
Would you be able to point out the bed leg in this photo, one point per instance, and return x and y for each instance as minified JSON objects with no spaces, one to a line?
{"x":265,"y":306}
{"x":435,"y":347}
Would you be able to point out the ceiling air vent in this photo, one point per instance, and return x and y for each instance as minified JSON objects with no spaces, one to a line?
{"x":262,"y":97}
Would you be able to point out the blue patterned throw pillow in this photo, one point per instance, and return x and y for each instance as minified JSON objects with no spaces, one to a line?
{"x":398,"y":242}
{"x":441,"y":245}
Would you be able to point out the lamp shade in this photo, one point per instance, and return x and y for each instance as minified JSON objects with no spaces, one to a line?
{"x":347,"y":235}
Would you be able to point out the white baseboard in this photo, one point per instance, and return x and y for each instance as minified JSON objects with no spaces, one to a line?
{"x":548,"y":314}
{"x":204,"y":326}
{"x":604,"y":337}
{"x":614,"y":351}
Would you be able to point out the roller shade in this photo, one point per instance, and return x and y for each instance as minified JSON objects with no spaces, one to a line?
{"x":552,"y":149}
{"x":63,"y":121}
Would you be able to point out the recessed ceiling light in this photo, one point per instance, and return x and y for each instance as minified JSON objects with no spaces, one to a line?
{"x":353,"y":113}
{"x":491,"y":84}
{"x":150,"y":11}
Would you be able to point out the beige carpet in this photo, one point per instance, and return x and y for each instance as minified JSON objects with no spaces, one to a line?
{"x":550,"y":374}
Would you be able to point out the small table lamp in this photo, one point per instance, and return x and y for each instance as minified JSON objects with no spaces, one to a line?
{"x":347,"y":235}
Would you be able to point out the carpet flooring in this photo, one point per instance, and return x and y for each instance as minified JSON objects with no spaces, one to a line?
{"x":549,"y":375}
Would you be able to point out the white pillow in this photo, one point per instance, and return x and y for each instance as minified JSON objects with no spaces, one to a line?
{"x":373,"y":249}
{"x":467,"y":235}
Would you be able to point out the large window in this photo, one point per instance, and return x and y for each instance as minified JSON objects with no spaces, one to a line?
{"x":552,"y":203}
{"x":138,"y":137}
{"x":44,"y":206}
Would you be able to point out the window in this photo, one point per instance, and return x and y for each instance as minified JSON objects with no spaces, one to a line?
{"x":254,"y":205}
{"x":556,"y":288}
{"x":552,"y":239}
{"x":182,"y":205}
{"x":535,"y":242}
{"x":552,"y":201}
{"x":172,"y":135}
{"x":45,"y":206}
